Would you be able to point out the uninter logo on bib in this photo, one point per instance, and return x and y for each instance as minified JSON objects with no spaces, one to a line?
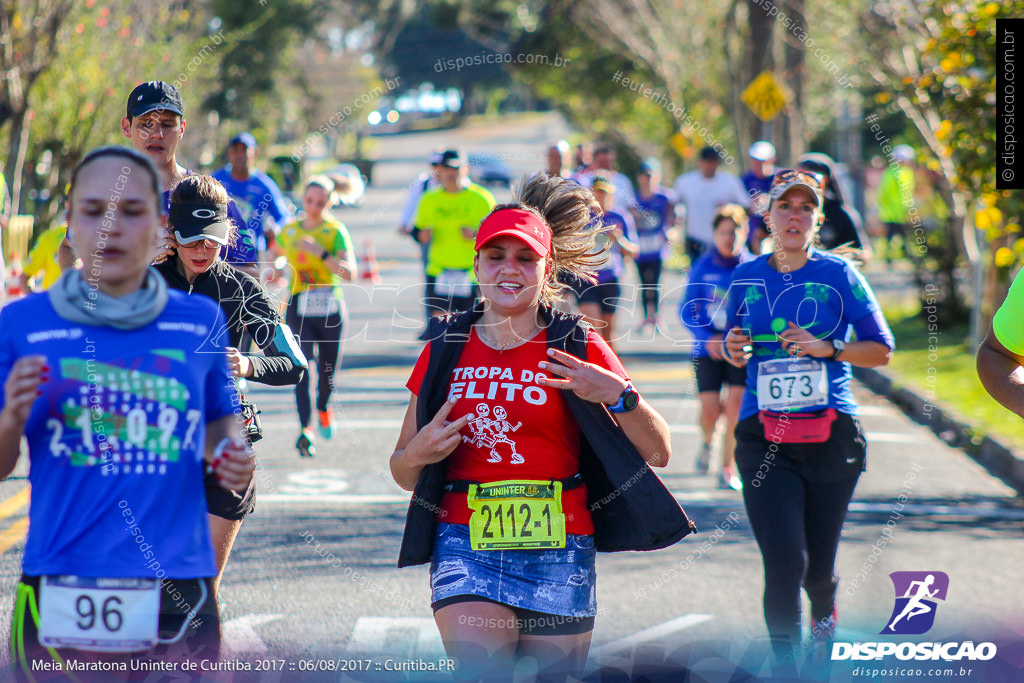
{"x":917,"y":594}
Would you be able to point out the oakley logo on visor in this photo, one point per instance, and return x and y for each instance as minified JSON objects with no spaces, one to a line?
{"x":204,"y":213}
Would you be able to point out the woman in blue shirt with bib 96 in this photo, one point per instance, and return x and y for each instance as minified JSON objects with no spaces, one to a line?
{"x":106,"y":376}
{"x":799,"y":445}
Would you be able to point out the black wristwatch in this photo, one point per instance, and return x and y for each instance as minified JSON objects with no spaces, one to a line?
{"x":838,"y":346}
{"x":326,"y":255}
{"x":628,"y":400}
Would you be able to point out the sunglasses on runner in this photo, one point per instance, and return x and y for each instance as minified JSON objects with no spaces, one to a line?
{"x":788,"y":178}
{"x":209,"y":244}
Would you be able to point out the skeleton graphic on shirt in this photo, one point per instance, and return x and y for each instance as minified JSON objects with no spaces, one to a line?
{"x":488,"y":433}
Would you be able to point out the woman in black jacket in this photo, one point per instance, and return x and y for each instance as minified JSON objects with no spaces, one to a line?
{"x":841,"y":224}
{"x":528,"y":449}
{"x":199,"y":227}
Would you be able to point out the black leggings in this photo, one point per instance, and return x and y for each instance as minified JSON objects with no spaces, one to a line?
{"x":319,"y":338}
{"x":797,"y":524}
{"x":650,"y":290}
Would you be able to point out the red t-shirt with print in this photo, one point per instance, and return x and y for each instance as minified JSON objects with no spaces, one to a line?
{"x":521,"y":430}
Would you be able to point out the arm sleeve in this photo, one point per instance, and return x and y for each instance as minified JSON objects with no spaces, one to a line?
{"x":733,"y":299}
{"x":693,"y":309}
{"x":629,"y":227}
{"x":220,"y":394}
{"x":261,"y":321}
{"x":862,"y":310}
{"x":1008,"y":323}
{"x":418,"y":371}
{"x":599,"y":353}
{"x":874,"y":328}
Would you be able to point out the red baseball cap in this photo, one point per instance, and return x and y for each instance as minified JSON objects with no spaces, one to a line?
{"x":526,"y":225}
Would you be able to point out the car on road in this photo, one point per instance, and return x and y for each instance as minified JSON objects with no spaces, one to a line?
{"x":487,"y":168}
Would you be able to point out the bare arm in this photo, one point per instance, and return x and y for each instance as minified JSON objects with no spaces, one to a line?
{"x":1000,"y":372}
{"x":646,"y":429}
{"x":343,"y":264}
{"x":417,"y":449}
{"x":235,"y":465}
{"x":20,"y":393}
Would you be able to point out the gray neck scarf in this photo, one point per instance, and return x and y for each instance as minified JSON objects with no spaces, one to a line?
{"x":75,"y":300}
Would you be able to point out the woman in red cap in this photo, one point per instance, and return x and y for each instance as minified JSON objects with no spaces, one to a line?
{"x":524,"y":457}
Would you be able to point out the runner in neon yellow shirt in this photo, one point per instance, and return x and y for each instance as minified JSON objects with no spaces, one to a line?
{"x":319,"y":251}
{"x":1001,"y":356}
{"x":47,"y":257}
{"x":448,"y":217}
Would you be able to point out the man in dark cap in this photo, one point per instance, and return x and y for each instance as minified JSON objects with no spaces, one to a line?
{"x":155,"y":123}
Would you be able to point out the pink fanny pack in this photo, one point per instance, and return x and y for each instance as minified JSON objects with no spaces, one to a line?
{"x":797,"y":427}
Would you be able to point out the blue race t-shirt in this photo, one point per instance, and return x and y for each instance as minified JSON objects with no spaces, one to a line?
{"x":651,"y":228}
{"x":244,"y":250}
{"x":116,"y":439}
{"x":827,"y":296}
{"x":611,"y":269}
{"x":702,"y":309}
{"x":256,"y":197}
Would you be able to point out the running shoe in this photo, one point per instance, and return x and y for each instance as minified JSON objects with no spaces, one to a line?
{"x":728,"y":479}
{"x":305,"y":444}
{"x":326,"y":422}
{"x":704,"y":459}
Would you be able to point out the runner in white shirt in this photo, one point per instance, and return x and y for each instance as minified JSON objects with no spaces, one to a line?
{"x":604,"y":165}
{"x":702,"y":192}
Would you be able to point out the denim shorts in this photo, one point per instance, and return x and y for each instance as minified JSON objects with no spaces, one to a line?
{"x":560,"y":581}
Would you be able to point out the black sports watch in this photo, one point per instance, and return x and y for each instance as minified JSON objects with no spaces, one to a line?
{"x":628,"y":400}
{"x":838,"y":346}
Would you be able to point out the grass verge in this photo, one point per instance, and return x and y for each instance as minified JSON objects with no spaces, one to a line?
{"x":939,"y":366}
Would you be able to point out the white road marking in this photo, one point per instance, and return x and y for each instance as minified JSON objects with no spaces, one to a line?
{"x":240,"y":634}
{"x":398,"y":638}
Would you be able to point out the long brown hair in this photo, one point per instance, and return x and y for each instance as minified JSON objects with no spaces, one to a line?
{"x":572,"y":214}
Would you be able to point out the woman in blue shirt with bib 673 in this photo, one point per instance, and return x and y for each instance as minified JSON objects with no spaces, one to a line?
{"x":799,"y":445}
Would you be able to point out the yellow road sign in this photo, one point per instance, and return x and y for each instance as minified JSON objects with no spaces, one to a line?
{"x":766,"y":96}
{"x":681,"y":146}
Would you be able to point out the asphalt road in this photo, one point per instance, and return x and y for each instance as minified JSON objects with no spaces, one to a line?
{"x":313,"y":579}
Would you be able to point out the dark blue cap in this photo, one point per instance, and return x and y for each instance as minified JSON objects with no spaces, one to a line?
{"x":154,"y":95}
{"x":244,"y":138}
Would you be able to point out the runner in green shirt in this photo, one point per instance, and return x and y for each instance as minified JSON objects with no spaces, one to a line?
{"x":1001,"y":356}
{"x":449,"y":216}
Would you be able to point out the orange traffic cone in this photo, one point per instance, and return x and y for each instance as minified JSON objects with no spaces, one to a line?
{"x":14,"y":279}
{"x":370,"y":269}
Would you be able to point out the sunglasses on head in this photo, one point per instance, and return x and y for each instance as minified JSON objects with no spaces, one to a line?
{"x":788,"y":175}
